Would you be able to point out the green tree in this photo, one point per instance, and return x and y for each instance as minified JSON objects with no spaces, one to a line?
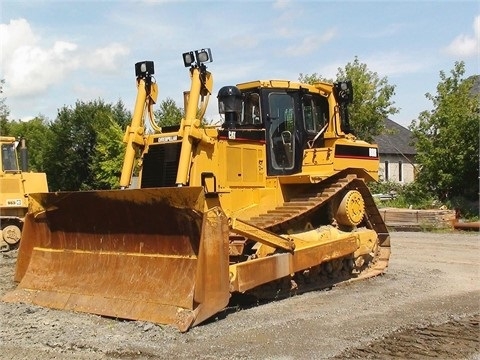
{"x":4,"y":111}
{"x":36,"y":134}
{"x":313,"y":78}
{"x":446,"y":138}
{"x":108,"y":156}
{"x":372,"y":98}
{"x":109,"y":151}
{"x":121,"y":115}
{"x":4,"y":126}
{"x":168,"y":113}
{"x":78,"y":139}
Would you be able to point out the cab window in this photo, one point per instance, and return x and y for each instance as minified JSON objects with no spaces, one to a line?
{"x":9,"y":159}
{"x":315,"y":113}
{"x":251,"y":110}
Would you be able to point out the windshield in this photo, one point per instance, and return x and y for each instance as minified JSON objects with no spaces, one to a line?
{"x":9,"y":158}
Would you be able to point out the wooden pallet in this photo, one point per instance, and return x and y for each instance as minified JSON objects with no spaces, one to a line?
{"x":417,"y":220}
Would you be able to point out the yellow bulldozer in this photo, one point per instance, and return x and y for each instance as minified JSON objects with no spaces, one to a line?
{"x":271,"y":203}
{"x":15,"y":184}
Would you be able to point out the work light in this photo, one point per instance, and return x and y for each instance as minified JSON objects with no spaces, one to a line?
{"x":197,"y":56}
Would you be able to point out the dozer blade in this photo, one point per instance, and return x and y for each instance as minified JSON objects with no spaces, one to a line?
{"x":144,"y":254}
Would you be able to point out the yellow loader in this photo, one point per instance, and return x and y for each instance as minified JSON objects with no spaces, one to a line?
{"x":271,"y":203}
{"x":16,"y":182}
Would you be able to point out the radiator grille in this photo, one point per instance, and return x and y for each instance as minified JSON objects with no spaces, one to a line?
{"x":160,"y":165}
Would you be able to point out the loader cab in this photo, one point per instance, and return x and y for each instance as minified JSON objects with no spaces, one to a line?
{"x":8,"y":159}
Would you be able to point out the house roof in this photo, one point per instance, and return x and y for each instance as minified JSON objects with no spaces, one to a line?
{"x":397,"y":140}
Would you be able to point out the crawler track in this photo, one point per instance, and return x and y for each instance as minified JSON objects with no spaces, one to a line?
{"x":297,"y":211}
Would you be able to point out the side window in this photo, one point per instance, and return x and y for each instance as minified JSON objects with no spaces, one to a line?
{"x":309,"y":114}
{"x":321,"y":111}
{"x":251,"y":110}
{"x":315,"y":113}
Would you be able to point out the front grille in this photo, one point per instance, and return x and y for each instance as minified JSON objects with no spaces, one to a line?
{"x":160,"y":165}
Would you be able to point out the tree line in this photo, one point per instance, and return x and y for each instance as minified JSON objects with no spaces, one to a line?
{"x":82,"y":148}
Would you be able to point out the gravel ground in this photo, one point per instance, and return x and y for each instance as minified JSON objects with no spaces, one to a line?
{"x":426,"y":305}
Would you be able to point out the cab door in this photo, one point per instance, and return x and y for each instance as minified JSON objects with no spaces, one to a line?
{"x":284,"y":135}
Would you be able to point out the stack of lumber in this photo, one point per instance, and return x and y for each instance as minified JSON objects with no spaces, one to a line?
{"x":417,"y":220}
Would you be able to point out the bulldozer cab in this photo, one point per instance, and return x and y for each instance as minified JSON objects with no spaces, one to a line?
{"x":294,"y":118}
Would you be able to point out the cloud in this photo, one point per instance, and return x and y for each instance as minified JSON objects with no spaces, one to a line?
{"x":16,"y":32}
{"x":394,"y":63}
{"x":241,"y":41}
{"x":88,"y":92}
{"x":155,"y":2}
{"x":285,"y":22}
{"x":466,"y":46}
{"x":27,"y":67}
{"x":387,"y":31}
{"x":281,"y":4}
{"x":31,"y":67}
{"x":105,"y":59}
{"x":27,"y":118}
{"x":383,"y":63}
{"x":329,"y":70}
{"x":243,"y":72}
{"x":310,"y":43}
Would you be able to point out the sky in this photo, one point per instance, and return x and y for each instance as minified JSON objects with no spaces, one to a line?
{"x":55,"y":53}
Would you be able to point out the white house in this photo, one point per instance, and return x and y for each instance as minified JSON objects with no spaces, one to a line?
{"x":397,"y":155}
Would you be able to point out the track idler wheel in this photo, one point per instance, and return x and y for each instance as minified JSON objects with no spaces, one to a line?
{"x":351,"y":210}
{"x":11,"y":234}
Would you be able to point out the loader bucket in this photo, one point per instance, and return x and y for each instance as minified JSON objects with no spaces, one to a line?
{"x":143,"y":254}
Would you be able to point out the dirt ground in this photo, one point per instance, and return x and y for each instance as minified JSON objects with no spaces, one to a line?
{"x":427,"y":305}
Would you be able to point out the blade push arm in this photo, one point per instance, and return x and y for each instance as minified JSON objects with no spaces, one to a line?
{"x":200,"y":90}
{"x":147,"y":92}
